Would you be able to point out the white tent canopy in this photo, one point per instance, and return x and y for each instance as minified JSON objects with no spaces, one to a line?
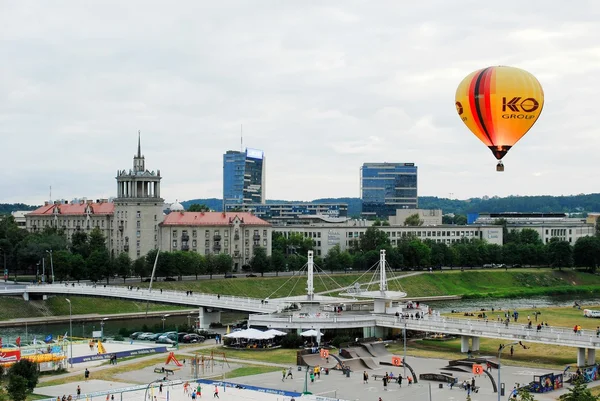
{"x":251,"y":334}
{"x":276,"y":332}
{"x":311,"y":333}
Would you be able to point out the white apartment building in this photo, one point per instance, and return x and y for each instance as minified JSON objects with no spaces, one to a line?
{"x":232,"y":233}
{"x":428,"y":217}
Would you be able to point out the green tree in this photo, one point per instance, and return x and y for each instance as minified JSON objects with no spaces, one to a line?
{"x":210,"y":264}
{"x":62,"y":261}
{"x":123,"y":265}
{"x":198,"y":264}
{"x":17,"y":388}
{"x":277,"y":261}
{"x":524,"y":395}
{"x":97,"y":241}
{"x":198,"y":207}
{"x":586,"y":252}
{"x":79,"y":270}
{"x":413,"y":220}
{"x":27,"y":370}
{"x":372,"y":240}
{"x":80,"y":243}
{"x":560,"y":253}
{"x":97,"y":265}
{"x":259,"y":262}
{"x":224,"y":263}
{"x":460,"y":220}
{"x":332,"y":261}
{"x":578,"y":392}
{"x":140,"y":268}
{"x":346,"y":260}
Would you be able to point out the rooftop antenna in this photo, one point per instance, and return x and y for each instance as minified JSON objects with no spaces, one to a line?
{"x":241,"y":137}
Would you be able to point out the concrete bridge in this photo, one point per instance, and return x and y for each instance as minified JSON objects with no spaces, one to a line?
{"x":210,"y":305}
{"x":470,"y":331}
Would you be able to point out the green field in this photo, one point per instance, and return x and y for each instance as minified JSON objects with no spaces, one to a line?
{"x":477,"y":283}
{"x":14,"y":308}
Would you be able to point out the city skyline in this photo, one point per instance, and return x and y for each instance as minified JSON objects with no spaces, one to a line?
{"x":321,"y":89}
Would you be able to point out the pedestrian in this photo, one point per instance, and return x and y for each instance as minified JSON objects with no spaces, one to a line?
{"x":473,"y":383}
{"x":216,"y":393}
{"x":283,"y":373}
{"x":312,"y":376}
{"x":289,"y":373}
{"x":86,"y":374}
{"x":512,"y":351}
{"x":409,"y":380}
{"x":365,"y":377}
{"x":385,"y":381}
{"x":78,"y":392}
{"x":598,"y":331}
{"x":160,"y":388}
{"x":199,"y":390}
{"x":400,"y":380}
{"x":112,"y":397}
{"x":193,"y":395}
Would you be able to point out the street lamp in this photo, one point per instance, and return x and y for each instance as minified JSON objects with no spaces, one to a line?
{"x":164,"y":317}
{"x":404,"y":360}
{"x":102,"y":327}
{"x":51,"y":264}
{"x":70,"y":330}
{"x":499,"y":355}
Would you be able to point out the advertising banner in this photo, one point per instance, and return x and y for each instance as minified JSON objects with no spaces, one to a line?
{"x":10,"y":356}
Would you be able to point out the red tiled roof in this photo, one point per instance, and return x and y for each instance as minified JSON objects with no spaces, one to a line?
{"x":104,"y":208}
{"x":211,"y":219}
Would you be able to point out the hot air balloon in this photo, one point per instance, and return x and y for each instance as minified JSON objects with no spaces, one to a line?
{"x":499,"y":105}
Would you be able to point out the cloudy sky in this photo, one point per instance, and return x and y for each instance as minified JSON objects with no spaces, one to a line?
{"x":320,"y":86}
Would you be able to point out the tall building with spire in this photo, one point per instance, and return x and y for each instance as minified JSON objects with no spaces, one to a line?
{"x":138,"y":208}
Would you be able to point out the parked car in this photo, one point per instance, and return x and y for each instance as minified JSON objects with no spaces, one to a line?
{"x":229,"y":275}
{"x":193,"y":338}
{"x":251,"y":275}
{"x":207,"y":333}
{"x":155,"y":337}
{"x":145,"y":336}
{"x":134,"y":336}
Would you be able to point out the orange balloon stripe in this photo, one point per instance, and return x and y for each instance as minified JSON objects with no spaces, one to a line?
{"x":488,"y":116}
{"x":473,"y":101}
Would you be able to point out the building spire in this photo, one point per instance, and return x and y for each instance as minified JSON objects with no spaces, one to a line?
{"x":139,"y":144}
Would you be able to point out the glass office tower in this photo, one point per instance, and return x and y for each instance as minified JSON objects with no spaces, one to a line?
{"x":386,"y":187}
{"x":243,"y":178}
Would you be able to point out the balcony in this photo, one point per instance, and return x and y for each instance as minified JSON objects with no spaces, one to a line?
{"x":185,"y":237}
{"x":121,"y":227}
{"x":236,"y":254}
{"x":185,"y":247}
{"x":256,"y":236}
{"x":236,"y":237}
{"x":126,"y":248}
{"x":217,"y":247}
{"x":217,"y":237}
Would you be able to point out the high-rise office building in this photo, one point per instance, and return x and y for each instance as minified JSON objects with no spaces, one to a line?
{"x":386,"y":187}
{"x":243,"y":178}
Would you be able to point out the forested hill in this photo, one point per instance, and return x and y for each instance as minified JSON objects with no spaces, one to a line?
{"x":8,"y":208}
{"x":524,"y":204}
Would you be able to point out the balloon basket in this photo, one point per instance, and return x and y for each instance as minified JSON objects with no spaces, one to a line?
{"x":500,"y":167}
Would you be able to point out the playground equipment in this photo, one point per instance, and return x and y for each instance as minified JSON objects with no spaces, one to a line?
{"x":201,"y":363}
{"x":171,"y":358}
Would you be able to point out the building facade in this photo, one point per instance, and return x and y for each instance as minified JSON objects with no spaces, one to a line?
{"x":427,"y":217}
{"x":244,"y":178}
{"x":386,"y":187}
{"x":327,"y":235}
{"x":547,"y":225}
{"x":235,"y":234}
{"x":80,"y":215}
{"x":290,"y":212}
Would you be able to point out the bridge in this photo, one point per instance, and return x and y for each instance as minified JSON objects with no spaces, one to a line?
{"x":207,"y":303}
{"x":468,"y":330}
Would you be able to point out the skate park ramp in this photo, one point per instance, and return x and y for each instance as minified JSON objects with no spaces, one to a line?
{"x":359,"y":364}
{"x":376,"y":349}
{"x":315,"y":359}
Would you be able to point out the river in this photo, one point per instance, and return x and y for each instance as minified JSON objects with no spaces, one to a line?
{"x":472,"y":305}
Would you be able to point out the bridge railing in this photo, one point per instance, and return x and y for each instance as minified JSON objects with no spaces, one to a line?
{"x":200,"y":299}
{"x":493,"y":328}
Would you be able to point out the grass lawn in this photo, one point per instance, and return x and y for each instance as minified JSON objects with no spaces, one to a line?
{"x":558,"y":316}
{"x":250,"y":370}
{"x":536,"y":356}
{"x":280,"y":355}
{"x":13,"y":308}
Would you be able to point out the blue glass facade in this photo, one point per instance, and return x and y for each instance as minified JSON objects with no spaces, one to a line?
{"x":386,"y":187}
{"x":291,"y":211}
{"x":243,"y":177}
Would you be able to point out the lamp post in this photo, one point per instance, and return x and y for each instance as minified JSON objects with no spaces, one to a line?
{"x":164,"y":317}
{"x":499,"y":355}
{"x":404,"y":359}
{"x":102,"y":327}
{"x":51,"y":265}
{"x":70,"y":330}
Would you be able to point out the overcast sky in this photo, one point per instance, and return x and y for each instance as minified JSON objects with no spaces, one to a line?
{"x":320,"y":86}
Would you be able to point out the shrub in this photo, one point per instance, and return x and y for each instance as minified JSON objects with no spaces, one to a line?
{"x":292,"y":340}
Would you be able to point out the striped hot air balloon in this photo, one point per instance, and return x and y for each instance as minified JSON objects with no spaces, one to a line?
{"x":499,"y":105}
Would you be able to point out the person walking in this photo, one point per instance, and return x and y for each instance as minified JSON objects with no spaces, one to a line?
{"x":365,"y":377}
{"x":283,"y":373}
{"x":86,"y":374}
{"x":385,"y":382}
{"x":160,"y":388}
{"x":78,"y":392}
{"x":400,"y":380}
{"x":512,"y":351}
{"x":199,"y":390}
{"x":216,"y":393}
{"x":289,"y":373}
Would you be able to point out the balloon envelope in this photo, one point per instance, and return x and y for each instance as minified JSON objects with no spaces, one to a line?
{"x":499,"y":105}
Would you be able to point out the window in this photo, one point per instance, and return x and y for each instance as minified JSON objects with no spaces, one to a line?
{"x":174,"y":233}
{"x":138,"y":214}
{"x":137,"y":244}
{"x":138,"y":233}
{"x":247,"y":233}
{"x":155,"y":237}
{"x":139,"y":224}
{"x":247,"y":241}
{"x":226,"y":242}
{"x":174,"y":243}
{"x":206,"y":251}
{"x":194,"y":233}
{"x":265,"y":233}
{"x":265,"y":242}
{"x":154,"y":217}
{"x":226,"y":233}
{"x":207,"y":243}
{"x":206,"y":234}
{"x":194,"y":243}
{"x":247,"y":251}
{"x":138,"y":253}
